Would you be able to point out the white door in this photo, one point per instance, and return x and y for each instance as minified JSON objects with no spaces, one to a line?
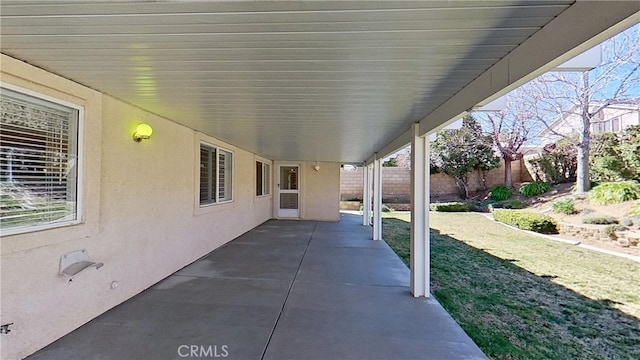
{"x":288,"y":191}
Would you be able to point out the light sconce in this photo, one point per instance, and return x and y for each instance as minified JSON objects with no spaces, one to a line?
{"x":143,"y":131}
{"x":316,"y":167}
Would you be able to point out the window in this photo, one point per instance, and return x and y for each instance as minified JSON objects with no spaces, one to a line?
{"x":600,"y":127}
{"x":38,"y":163}
{"x":216,"y":168}
{"x":615,"y":124}
{"x":263,"y":174}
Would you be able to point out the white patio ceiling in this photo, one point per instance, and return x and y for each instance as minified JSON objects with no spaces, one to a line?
{"x":300,"y":80}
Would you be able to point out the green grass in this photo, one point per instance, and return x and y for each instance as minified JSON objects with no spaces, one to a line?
{"x":521,"y":296}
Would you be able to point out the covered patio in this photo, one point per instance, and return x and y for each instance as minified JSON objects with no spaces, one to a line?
{"x":249,"y":110}
{"x":284,"y":290}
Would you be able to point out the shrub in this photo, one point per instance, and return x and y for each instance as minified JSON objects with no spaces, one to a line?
{"x":534,"y":188}
{"x":635,"y":210}
{"x":564,"y":206}
{"x":627,"y":222}
{"x":513,"y":204}
{"x":615,"y":157}
{"x":610,"y":230}
{"x":527,"y":220}
{"x":615,"y":192}
{"x":500,"y":193}
{"x":451,"y":207}
{"x":557,"y":163}
{"x":599,"y":220}
{"x":385,"y":208}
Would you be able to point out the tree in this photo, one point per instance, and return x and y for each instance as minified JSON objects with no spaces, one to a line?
{"x":556,"y":164}
{"x":391,"y":162}
{"x":404,"y":159}
{"x":616,"y":157}
{"x":560,"y":95}
{"x":458,"y":152}
{"x":510,"y":129}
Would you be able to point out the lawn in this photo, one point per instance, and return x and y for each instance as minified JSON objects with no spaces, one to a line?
{"x":521,"y":296}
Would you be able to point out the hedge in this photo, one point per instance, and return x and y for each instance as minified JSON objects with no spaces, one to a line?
{"x":451,"y":207}
{"x":526,"y":220}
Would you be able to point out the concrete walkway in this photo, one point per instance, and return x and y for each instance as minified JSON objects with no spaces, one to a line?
{"x":285,"y":290}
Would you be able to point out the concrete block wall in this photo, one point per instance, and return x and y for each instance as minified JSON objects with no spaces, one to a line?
{"x":396,"y":182}
{"x":351,"y":183}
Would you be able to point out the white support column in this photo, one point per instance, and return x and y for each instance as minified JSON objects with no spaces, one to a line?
{"x":420,"y":247}
{"x":377,"y":199}
{"x":366,"y":196}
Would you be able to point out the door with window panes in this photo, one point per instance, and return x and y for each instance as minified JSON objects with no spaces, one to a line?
{"x":289,"y":191}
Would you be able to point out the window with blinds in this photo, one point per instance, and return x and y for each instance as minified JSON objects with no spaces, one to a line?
{"x":216,"y":166}
{"x":38,"y":163}
{"x":263,"y":176}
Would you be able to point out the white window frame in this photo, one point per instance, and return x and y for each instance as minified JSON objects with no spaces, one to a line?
{"x":216,"y":200}
{"x":266,"y":179}
{"x":79,"y":137}
{"x":616,"y":119}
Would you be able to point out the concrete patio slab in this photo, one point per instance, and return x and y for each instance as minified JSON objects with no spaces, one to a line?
{"x":285,"y":290}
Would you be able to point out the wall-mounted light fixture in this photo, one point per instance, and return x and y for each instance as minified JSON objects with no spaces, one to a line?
{"x":143,"y":131}
{"x":316,"y":167}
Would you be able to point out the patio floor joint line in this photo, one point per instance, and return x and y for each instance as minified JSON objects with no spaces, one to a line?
{"x":284,"y":303}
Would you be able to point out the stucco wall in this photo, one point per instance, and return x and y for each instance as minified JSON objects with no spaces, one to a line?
{"x":321,"y":191}
{"x":141,"y":217}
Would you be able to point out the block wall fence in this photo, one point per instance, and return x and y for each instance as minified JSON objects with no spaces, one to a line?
{"x":396,"y":182}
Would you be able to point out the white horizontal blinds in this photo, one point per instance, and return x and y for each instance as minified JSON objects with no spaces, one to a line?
{"x":224,"y":175}
{"x":207,"y":174}
{"x":38,"y":161}
{"x":215,"y":175}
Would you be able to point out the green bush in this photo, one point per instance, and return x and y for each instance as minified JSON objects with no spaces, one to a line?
{"x":610,"y":230}
{"x":534,"y":188}
{"x":635,"y":210}
{"x":615,"y":192}
{"x":564,"y":206}
{"x":451,"y":207}
{"x":599,"y":220}
{"x":385,"y":208}
{"x":500,"y":193}
{"x":513,"y":204}
{"x":615,"y":157}
{"x":557,"y":163}
{"x":527,"y":220}
{"x":627,"y":222}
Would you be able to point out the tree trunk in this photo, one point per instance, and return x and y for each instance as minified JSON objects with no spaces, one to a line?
{"x":583,"y":181}
{"x":508,"y":177}
{"x":482,"y":179}
{"x":462,"y":189}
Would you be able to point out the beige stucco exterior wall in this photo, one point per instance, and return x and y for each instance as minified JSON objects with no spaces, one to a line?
{"x":141,"y":217}
{"x":321,"y":191}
